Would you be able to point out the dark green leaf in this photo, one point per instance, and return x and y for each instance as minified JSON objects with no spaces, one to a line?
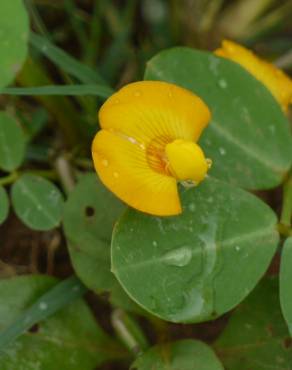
{"x":248,"y":139}
{"x":68,"y":340}
{"x":49,"y":303}
{"x":198,"y":265}
{"x":182,"y":355}
{"x":12,"y":143}
{"x":4,"y":205}
{"x":37,"y":202}
{"x":285,"y":283}
{"x":256,"y":336}
{"x":14,"y":29}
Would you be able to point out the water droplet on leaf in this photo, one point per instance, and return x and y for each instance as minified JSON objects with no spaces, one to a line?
{"x":178,"y":257}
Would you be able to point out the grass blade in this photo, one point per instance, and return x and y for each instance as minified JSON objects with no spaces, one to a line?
{"x":70,"y":90}
{"x":59,"y":296}
{"x":65,"y":61}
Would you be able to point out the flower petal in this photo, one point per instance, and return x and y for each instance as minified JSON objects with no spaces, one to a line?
{"x":147,"y":110}
{"x":279,"y":84}
{"x":122,"y":167}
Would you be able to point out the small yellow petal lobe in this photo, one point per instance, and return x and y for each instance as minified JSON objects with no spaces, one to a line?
{"x":186,"y":161}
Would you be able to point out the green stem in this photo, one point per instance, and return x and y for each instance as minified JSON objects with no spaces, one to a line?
{"x":129,"y":332}
{"x":286,"y":213}
{"x":6,"y":180}
{"x":13,"y":176}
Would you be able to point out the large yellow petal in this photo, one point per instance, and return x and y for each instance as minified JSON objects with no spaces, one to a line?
{"x":279,"y":84}
{"x":123,"y":167}
{"x":148,"y":110}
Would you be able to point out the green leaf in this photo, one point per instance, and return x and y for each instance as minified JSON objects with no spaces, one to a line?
{"x":200,"y":264}
{"x":4,"y":205}
{"x":68,"y":340}
{"x":37,"y":202}
{"x":285,"y":283}
{"x":185,"y":354}
{"x":256,"y":335}
{"x":89,"y":217}
{"x":52,"y":301}
{"x":74,"y":90}
{"x":12,"y":143}
{"x":14,"y":29}
{"x":65,"y":61}
{"x":248,"y":137}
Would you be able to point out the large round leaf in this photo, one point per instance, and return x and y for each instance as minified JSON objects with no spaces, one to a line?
{"x":256,"y":336}
{"x":198,"y":265}
{"x":4,"y":205}
{"x":89,"y":217}
{"x":285,"y":283}
{"x":68,"y":340}
{"x":183,"y":355}
{"x":14,"y":28}
{"x":12,"y":143}
{"x":248,"y":138}
{"x":37,"y":202}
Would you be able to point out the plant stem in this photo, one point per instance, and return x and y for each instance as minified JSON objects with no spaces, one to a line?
{"x":129,"y":332}
{"x":286,"y":213}
{"x":13,"y":176}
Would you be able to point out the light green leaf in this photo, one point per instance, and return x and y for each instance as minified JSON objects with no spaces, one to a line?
{"x":181,"y":355}
{"x":12,"y":143}
{"x":256,"y":336}
{"x":285,"y":283}
{"x":248,"y":138}
{"x":68,"y":340}
{"x":37,"y":202}
{"x":200,"y":264}
{"x":74,"y":90}
{"x":14,"y":28}
{"x":89,"y":217}
{"x":4,"y":205}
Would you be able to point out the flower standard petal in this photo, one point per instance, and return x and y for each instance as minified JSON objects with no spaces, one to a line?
{"x":279,"y":84}
{"x":146,"y":110}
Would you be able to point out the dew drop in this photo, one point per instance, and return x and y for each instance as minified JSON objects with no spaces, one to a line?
{"x":192,"y":207}
{"x":222,"y":83}
{"x":178,"y":257}
{"x":222,"y":151}
{"x":43,"y":306}
{"x":154,"y":243}
{"x":237,"y":248}
{"x":116,"y":175}
{"x":104,"y":162}
{"x":137,"y":93}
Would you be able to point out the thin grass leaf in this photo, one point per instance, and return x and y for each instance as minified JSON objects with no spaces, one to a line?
{"x":59,"y":296}
{"x":70,"y":90}
{"x":65,"y":61}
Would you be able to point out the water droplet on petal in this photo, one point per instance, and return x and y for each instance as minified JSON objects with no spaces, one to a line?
{"x":116,"y":175}
{"x":178,"y":257}
{"x":104,"y":162}
{"x":137,"y":93}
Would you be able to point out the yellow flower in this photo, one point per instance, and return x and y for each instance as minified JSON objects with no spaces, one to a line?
{"x":279,"y":84}
{"x":147,"y":144}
